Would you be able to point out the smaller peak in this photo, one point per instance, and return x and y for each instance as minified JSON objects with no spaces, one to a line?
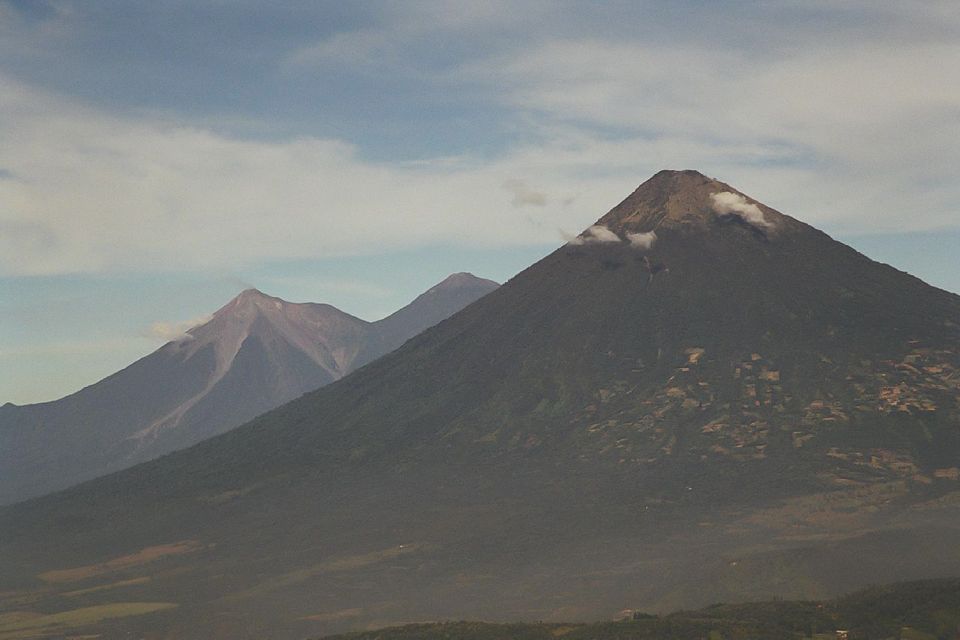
{"x":459,"y":279}
{"x":256,"y":296}
{"x":678,"y":174}
{"x":252,"y":298}
{"x":250,"y":293}
{"x":463,"y":279}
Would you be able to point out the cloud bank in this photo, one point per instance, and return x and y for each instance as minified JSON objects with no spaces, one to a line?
{"x":90,"y":192}
{"x":586,"y":104}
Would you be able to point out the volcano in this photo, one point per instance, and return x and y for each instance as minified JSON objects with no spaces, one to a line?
{"x":254,"y":354}
{"x":697,"y":399}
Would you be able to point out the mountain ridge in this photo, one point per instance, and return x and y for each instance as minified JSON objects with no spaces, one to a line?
{"x":254,"y":353}
{"x":724,"y":412}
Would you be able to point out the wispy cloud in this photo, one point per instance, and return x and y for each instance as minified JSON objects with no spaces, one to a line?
{"x":214,"y":201}
{"x":362,"y":47}
{"x":175,"y":331}
{"x":802,"y":121}
{"x":523,"y":195}
{"x":799,"y":125}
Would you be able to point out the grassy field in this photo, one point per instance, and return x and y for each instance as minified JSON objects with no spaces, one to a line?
{"x":18,"y":626}
{"x":107,"y":587}
{"x":144,"y":556}
{"x":927,"y":610}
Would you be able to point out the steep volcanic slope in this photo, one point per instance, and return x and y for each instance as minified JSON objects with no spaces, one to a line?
{"x":429,"y":308}
{"x":700,"y":399}
{"x":256,"y":353}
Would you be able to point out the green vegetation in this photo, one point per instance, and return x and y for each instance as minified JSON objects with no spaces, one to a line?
{"x":927,"y":610}
{"x":15,"y":626}
{"x":107,"y":587}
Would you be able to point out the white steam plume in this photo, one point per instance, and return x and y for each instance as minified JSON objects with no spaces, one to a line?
{"x":175,"y":331}
{"x":597,"y":234}
{"x":728,"y":203}
{"x":643,"y":240}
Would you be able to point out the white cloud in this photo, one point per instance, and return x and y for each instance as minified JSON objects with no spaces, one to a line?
{"x":595,"y":234}
{"x":865,"y":123}
{"x":94,"y":192}
{"x":643,"y":240}
{"x":729,"y":203}
{"x":601,"y":234}
{"x":175,"y":331}
{"x":404,"y":27}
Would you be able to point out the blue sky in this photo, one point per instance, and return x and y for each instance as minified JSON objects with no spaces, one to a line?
{"x":158,"y":157}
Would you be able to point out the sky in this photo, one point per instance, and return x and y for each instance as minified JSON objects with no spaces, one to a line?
{"x":158,"y":157}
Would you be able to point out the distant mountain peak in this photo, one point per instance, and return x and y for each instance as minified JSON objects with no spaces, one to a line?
{"x":462,"y":279}
{"x":253,"y":354}
{"x":689,"y":200}
{"x":250,"y":304}
{"x":253,"y":296}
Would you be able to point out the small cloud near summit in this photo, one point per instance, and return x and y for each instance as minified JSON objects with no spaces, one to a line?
{"x":597,"y":234}
{"x":729,"y":203}
{"x":175,"y":331}
{"x":643,"y":240}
